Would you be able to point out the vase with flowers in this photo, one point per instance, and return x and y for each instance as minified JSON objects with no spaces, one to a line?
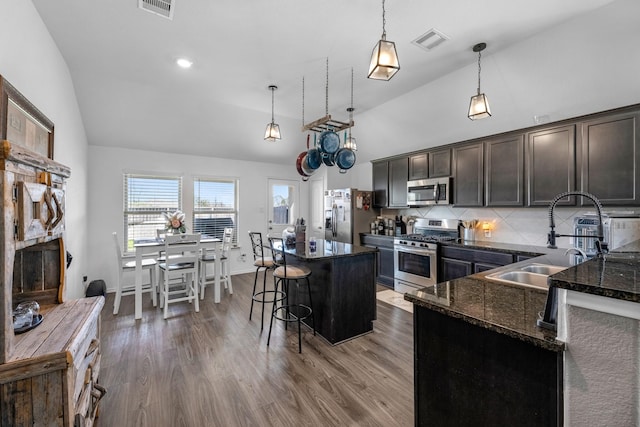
{"x":175,"y":222}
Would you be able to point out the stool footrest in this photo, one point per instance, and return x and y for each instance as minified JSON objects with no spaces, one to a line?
{"x":279,"y":296}
{"x":291,"y":316}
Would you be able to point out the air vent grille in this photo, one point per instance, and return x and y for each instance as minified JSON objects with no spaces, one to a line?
{"x":163,"y":8}
{"x":430,"y":40}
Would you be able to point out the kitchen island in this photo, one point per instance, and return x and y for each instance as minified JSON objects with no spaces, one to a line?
{"x":343,"y":287}
{"x":480,"y":359}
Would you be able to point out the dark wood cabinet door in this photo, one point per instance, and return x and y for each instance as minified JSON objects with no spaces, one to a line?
{"x":418,"y":166}
{"x":551,"y":165}
{"x":610,"y":159}
{"x":454,"y":268}
{"x":398,"y":175}
{"x":468,"y":182}
{"x":505,"y":171}
{"x":386,"y":267}
{"x":479,"y":267}
{"x":440,"y":163}
{"x":380,"y":184}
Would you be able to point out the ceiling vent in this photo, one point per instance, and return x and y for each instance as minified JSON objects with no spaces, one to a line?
{"x":430,"y":40}
{"x":163,"y":8}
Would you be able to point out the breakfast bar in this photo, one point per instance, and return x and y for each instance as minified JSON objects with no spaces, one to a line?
{"x":343,"y":287}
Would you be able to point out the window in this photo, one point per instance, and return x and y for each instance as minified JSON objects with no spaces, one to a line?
{"x":215,"y":206}
{"x":146,"y":199}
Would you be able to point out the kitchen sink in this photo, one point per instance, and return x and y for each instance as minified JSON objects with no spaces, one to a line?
{"x":532,"y":275}
{"x":519,"y":277}
{"x":543,"y":269}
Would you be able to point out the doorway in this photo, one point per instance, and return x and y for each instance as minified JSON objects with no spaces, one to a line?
{"x":282,"y":205}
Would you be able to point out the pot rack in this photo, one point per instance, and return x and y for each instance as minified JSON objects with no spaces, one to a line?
{"x":325,"y":123}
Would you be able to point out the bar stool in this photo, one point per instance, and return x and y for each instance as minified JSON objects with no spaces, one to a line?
{"x":283,"y":275}
{"x":261,"y":262}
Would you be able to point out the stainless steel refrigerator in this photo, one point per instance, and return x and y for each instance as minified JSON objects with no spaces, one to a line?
{"x":347,"y":213}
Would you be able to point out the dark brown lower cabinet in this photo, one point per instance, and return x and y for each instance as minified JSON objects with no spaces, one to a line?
{"x":384,"y":258}
{"x":456,"y":262}
{"x":466,"y":375}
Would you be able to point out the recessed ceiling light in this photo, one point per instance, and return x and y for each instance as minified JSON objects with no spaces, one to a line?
{"x":184,"y":63}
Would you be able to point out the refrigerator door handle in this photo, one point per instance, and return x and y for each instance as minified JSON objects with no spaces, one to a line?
{"x":334,"y":221}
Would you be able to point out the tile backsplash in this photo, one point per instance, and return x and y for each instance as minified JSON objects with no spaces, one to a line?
{"x":524,"y":226}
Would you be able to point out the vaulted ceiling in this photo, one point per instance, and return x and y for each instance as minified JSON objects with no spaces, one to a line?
{"x":131,"y":93}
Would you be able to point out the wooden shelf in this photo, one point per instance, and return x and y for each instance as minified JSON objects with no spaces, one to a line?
{"x":327,"y":123}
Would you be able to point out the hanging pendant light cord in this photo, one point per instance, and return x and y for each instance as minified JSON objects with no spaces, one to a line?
{"x":302,"y":102}
{"x":272,"y":104}
{"x":479,"y":68}
{"x":384,"y":21}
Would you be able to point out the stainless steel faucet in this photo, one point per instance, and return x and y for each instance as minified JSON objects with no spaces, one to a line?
{"x":601,"y":245}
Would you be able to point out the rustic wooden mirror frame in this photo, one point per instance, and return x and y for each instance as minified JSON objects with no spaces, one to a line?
{"x":30,"y":114}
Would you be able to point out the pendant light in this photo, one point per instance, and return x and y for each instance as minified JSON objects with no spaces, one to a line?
{"x":384,"y":59}
{"x":479,"y":105}
{"x":350,"y":142}
{"x":273,"y":130}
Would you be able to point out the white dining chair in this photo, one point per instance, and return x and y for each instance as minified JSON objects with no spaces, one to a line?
{"x":179,"y":270}
{"x":209,"y":257}
{"x":130,"y":265}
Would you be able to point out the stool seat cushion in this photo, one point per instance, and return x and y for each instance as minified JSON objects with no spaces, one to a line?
{"x":293,"y":272}
{"x":268,"y":262}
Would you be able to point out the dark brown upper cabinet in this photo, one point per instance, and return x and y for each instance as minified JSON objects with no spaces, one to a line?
{"x":380,"y":172}
{"x":551,"y":165}
{"x":609,"y":157}
{"x":468,"y":176}
{"x":430,"y":164}
{"x":418,"y":166}
{"x":504,"y":166}
{"x":398,"y":176}
{"x":440,"y":163}
{"x":390,"y":183}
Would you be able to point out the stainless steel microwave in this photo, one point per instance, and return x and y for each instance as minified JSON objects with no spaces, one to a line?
{"x":426,"y":192}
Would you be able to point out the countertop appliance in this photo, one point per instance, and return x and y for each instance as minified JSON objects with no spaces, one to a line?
{"x":347,"y":213}
{"x":619,"y":229}
{"x":425,"y":192}
{"x":416,"y":255}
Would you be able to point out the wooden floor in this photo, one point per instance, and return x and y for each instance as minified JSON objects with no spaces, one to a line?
{"x":213,"y":368}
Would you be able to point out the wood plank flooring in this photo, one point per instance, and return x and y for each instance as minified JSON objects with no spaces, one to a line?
{"x":213,"y":368}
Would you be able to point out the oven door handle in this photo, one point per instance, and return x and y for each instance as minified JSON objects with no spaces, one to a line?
{"x":418,"y":251}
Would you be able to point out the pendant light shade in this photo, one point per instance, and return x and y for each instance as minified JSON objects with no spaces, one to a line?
{"x":479,"y":104}
{"x":384,"y":58}
{"x":272,"y":132}
{"x":479,"y":107}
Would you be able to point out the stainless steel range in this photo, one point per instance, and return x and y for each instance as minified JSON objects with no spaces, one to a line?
{"x":416,"y":255}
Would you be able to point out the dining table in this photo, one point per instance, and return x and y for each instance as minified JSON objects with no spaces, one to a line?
{"x":150,"y":246}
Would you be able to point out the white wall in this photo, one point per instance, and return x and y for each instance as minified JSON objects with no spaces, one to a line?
{"x":31,"y":62}
{"x":107,"y":165}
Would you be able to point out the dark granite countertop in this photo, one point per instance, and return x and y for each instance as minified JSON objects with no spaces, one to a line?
{"x":327,"y":249}
{"x":507,"y":309}
{"x":512,"y":309}
{"x":614,"y":276}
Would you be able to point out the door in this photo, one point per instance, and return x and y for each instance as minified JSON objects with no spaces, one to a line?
{"x":316,"y":211}
{"x":282,"y":205}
